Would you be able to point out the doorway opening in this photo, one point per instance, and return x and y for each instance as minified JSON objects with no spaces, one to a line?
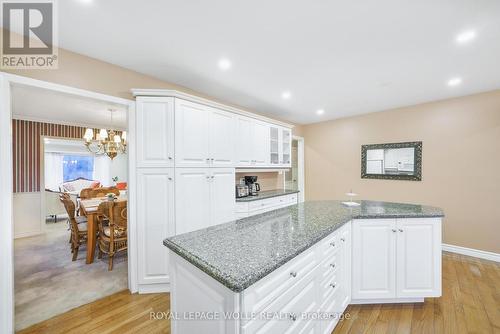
{"x":47,"y":157}
{"x":294,"y":178}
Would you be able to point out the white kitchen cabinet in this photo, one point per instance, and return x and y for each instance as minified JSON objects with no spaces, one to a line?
{"x":155,"y":131}
{"x":192,"y":199}
{"x":345,"y":263}
{"x":204,"y":136}
{"x":222,"y":148}
{"x":260,"y":143}
{"x":204,"y":197}
{"x":252,"y":208}
{"x":396,"y":258}
{"x":155,"y":209}
{"x":374,"y":259}
{"x":286,"y":147}
{"x":418,"y":257}
{"x":244,"y":132}
{"x":222,"y":199}
{"x":191,"y":134}
{"x":253,"y":143}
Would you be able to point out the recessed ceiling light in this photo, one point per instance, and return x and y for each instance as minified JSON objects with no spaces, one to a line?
{"x":224,"y":64}
{"x":286,"y":95}
{"x":320,"y":111}
{"x":465,"y":36}
{"x":85,"y":1}
{"x":454,"y":82}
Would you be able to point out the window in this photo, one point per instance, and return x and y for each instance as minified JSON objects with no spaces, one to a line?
{"x":75,"y":166}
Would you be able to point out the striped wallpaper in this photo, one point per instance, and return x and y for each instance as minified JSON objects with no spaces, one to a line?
{"x":26,"y":150}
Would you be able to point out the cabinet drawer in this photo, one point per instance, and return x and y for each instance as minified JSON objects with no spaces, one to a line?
{"x":297,"y":301}
{"x":329,"y":245}
{"x":262,"y":293}
{"x":263,"y":204}
{"x":329,"y":265}
{"x":329,"y":288}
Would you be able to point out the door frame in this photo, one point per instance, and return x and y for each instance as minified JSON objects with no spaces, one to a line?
{"x":300,"y":166}
{"x":6,"y":187}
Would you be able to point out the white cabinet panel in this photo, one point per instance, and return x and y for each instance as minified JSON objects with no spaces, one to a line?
{"x":244,"y":147}
{"x":345,"y":265}
{"x":191,"y":134}
{"x":155,"y":131}
{"x":222,"y":199}
{"x":419,"y":257}
{"x":222,"y":127}
{"x":192,"y":199}
{"x":261,"y":144}
{"x":155,"y":212}
{"x":374,"y":254}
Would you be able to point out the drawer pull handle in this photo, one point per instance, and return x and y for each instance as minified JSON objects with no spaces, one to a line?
{"x":343,"y":239}
{"x":332,"y":265}
{"x":400,"y":230}
{"x":293,"y":316}
{"x":333,"y":285}
{"x":332,"y":244}
{"x":293,"y":274}
{"x":393,"y":230}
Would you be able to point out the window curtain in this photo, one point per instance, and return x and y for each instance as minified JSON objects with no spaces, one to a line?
{"x":102,"y":164}
{"x":53,"y":170}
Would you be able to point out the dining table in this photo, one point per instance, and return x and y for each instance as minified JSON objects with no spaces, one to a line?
{"x":90,"y":210}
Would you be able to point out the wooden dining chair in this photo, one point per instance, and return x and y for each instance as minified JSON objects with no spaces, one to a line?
{"x":113,"y":237}
{"x":103,"y":191}
{"x":78,"y":225}
{"x":85,"y":193}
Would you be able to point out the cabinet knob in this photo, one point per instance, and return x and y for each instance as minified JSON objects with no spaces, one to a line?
{"x":208,"y":159}
{"x":293,"y":316}
{"x":212,"y":159}
{"x":400,"y":230}
{"x":170,"y":179}
{"x":213,"y":177}
{"x":332,"y":265}
{"x":333,"y":285}
{"x":332,"y":244}
{"x":293,"y":274}
{"x":393,"y":230}
{"x":343,"y":239}
{"x":170,"y":158}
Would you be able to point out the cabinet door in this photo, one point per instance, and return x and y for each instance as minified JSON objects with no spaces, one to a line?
{"x":192,"y":199}
{"x":222,"y":141}
{"x":244,"y":138}
{"x":155,"y":131}
{"x":374,"y":259}
{"x":261,"y":143}
{"x":191,"y":134}
{"x":155,"y":210}
{"x":286,"y":147}
{"x":274,"y":140}
{"x":419,"y":257}
{"x":345,"y":266}
{"x":222,"y":199}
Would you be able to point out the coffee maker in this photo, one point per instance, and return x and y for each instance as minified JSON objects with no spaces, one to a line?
{"x":253,"y":186}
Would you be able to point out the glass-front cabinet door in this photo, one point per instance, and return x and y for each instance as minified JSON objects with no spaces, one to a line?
{"x":286,"y":146}
{"x":274,"y":137}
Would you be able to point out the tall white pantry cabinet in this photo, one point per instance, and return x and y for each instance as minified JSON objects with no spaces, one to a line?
{"x":187,"y":152}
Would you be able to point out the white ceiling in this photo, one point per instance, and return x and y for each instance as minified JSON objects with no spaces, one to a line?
{"x":346,"y":57}
{"x":44,"y":105}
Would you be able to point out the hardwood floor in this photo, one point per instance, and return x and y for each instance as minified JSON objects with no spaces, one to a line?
{"x":470,"y":304}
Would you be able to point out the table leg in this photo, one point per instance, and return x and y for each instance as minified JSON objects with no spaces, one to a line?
{"x":91,"y":236}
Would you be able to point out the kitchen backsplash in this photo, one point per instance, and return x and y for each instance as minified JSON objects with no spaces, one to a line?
{"x":267,"y":180}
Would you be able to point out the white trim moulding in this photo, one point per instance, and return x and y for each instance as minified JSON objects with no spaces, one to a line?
{"x":472,"y":252}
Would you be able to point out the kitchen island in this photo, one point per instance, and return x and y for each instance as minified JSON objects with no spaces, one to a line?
{"x":297,"y":268}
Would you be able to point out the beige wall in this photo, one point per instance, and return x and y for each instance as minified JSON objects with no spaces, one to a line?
{"x":461,"y":162}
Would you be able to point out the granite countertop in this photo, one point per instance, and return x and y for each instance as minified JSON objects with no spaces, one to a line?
{"x":239,"y":253}
{"x":267,"y":194}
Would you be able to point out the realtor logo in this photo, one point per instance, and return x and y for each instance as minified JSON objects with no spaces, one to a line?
{"x":28,"y":34}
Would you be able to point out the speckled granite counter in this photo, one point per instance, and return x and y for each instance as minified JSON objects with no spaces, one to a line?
{"x":239,"y":253}
{"x":267,"y":194}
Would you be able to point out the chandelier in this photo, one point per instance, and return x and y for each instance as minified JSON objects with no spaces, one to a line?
{"x":106,"y":141}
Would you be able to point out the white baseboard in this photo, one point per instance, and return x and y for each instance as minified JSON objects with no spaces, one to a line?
{"x":472,"y":252}
{"x":154,"y":288}
{"x":387,"y":301}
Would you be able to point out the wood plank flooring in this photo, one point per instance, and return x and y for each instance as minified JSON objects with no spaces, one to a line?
{"x":470,"y":304}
